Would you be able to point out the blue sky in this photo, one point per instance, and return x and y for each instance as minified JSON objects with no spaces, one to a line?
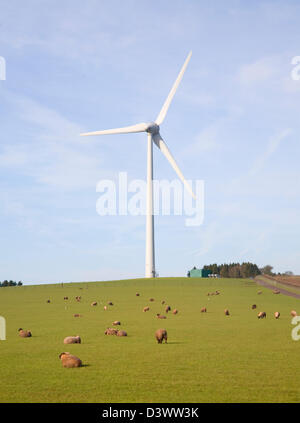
{"x":234,"y":122}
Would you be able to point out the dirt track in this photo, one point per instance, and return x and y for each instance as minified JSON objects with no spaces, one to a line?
{"x":282,"y":291}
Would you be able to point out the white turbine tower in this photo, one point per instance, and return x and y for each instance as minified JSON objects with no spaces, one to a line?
{"x":152,"y":129}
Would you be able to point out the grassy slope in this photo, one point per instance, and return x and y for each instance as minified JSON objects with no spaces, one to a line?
{"x":209,"y":357}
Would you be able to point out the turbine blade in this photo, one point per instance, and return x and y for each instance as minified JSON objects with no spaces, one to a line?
{"x":163,"y":112}
{"x":140,"y":127}
{"x":164,"y":149}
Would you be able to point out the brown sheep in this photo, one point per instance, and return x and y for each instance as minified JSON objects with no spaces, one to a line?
{"x":110,"y":303}
{"x":276,"y":291}
{"x":203,"y":310}
{"x":48,"y":301}
{"x":226,"y":311}
{"x":293,"y":313}
{"x":111,"y":331}
{"x":262,"y":315}
{"x":69,"y":360}
{"x":121,"y":333}
{"x":94,"y":303}
{"x":259,"y":292}
{"x":77,"y":315}
{"x":137,"y":294}
{"x":277,"y":314}
{"x":175,"y":311}
{"x":253,"y":307}
{"x":72,"y":340}
{"x":159,"y":316}
{"x":160,"y":335}
{"x":151,"y":299}
{"x":116,"y":322}
{"x":167,"y":309}
{"x":146,"y":308}
{"x":24,"y":333}
{"x":163,"y":302}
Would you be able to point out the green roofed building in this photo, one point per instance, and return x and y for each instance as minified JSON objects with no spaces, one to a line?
{"x":198,"y":273}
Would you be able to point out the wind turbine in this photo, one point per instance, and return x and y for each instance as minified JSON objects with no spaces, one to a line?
{"x":152,"y":129}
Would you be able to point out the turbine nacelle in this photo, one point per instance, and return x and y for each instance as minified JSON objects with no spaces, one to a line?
{"x":152,"y":128}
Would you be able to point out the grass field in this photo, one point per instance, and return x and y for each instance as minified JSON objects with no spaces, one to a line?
{"x":209,"y":357}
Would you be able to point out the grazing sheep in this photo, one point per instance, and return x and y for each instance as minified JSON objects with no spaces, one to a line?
{"x":160,"y":335}
{"x":137,"y":294}
{"x":146,"y":308}
{"x":24,"y":333}
{"x":226,"y":311}
{"x":293,"y":313}
{"x":168,"y":308}
{"x":259,"y":292}
{"x":94,"y":303}
{"x":116,"y":323}
{"x":151,"y":299}
{"x":253,"y":307}
{"x":111,"y":331}
{"x":159,"y":316}
{"x":203,"y":310}
{"x":163,"y":302}
{"x":72,"y":340}
{"x":110,"y":303}
{"x":69,"y":360}
{"x":175,"y":311}
{"x":77,"y":315}
{"x":121,"y":333}
{"x":261,"y":315}
{"x":277,"y":314}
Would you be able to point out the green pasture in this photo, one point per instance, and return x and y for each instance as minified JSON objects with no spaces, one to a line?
{"x":209,"y":357}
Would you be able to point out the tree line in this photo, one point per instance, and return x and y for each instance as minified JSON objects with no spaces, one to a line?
{"x":10,"y":283}
{"x":243,"y":270}
{"x":234,"y":270}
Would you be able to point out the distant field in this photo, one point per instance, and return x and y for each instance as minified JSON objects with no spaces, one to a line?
{"x":209,"y":357}
{"x":291,"y":280}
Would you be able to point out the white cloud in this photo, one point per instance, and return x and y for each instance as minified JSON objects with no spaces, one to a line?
{"x":260,"y":71}
{"x":272,"y":146}
{"x":51,"y":151}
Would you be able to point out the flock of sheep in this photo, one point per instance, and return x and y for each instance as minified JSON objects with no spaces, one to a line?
{"x":68,"y":360}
